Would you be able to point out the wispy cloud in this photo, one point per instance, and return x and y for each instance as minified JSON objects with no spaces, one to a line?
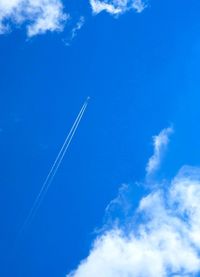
{"x":160,"y":143}
{"x":116,"y":7}
{"x":79,"y":24}
{"x":162,"y":238}
{"x":39,"y":16}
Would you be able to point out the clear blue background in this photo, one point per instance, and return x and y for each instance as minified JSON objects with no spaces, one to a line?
{"x":142,"y":73}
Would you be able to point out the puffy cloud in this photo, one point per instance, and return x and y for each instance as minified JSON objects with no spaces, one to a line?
{"x":116,"y":7}
{"x":39,"y":16}
{"x":161,"y":237}
{"x":164,"y":239}
{"x":160,"y":143}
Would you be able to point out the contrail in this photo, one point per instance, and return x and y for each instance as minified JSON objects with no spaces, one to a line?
{"x":54,"y":169}
{"x":45,"y":187}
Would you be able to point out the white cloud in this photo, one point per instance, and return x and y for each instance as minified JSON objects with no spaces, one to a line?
{"x":160,"y":238}
{"x":116,"y":7}
{"x":39,"y":16}
{"x":164,"y":239}
{"x":160,"y":143}
{"x":79,"y":24}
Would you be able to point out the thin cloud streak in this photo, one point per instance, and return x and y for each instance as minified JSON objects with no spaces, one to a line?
{"x":160,"y":143}
{"x":78,"y":26}
{"x":75,"y":30}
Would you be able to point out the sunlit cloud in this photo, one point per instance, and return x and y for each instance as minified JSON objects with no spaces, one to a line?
{"x":166,"y":241}
{"x":160,"y":143}
{"x":39,"y":16}
{"x":163,"y":235}
{"x":116,"y":7}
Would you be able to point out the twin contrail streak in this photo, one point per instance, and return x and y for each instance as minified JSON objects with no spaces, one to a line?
{"x":47,"y":183}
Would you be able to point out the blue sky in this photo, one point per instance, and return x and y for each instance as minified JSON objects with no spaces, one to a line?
{"x":141,"y":69}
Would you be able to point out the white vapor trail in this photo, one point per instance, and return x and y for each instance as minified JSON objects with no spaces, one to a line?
{"x":45,"y":187}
